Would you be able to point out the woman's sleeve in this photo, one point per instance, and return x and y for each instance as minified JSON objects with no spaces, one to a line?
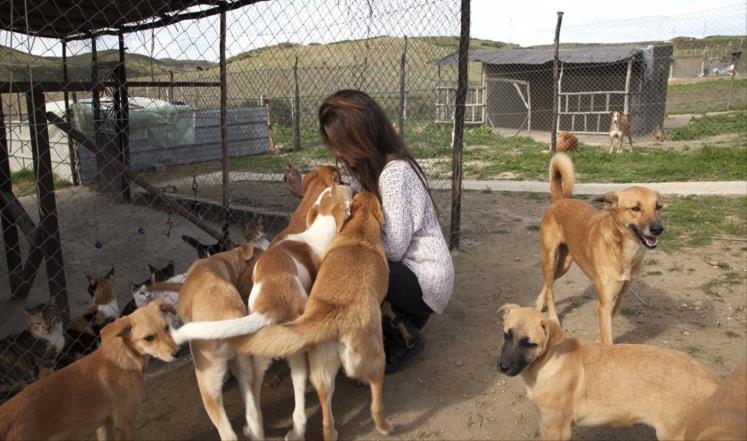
{"x":401,"y":207}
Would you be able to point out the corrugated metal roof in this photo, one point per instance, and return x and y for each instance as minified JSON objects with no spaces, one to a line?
{"x":586,"y":55}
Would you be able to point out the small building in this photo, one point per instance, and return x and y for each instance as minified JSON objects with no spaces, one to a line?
{"x":516,"y":90}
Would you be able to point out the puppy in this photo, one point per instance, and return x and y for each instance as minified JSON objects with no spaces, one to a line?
{"x":101,"y":391}
{"x":570,"y":380}
{"x":342,"y":320}
{"x":216,"y":291}
{"x":567,"y":142}
{"x":608,"y":245}
{"x":659,"y":135}
{"x":723,"y":416}
{"x":619,"y":130}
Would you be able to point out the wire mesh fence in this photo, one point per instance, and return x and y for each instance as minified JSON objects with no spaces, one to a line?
{"x":143,"y":89}
{"x":150,"y":100}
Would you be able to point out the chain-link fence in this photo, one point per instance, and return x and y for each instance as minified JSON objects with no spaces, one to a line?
{"x":113,"y":172}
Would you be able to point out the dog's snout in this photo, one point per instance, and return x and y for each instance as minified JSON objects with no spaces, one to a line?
{"x":656,"y":229}
{"x":502,"y":367}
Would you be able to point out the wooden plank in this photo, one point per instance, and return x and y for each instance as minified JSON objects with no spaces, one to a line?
{"x":68,"y":117}
{"x":51,"y":245}
{"x":122,"y":103}
{"x":14,"y":211}
{"x":626,"y":104}
{"x":224,"y":110}
{"x":87,"y":86}
{"x":557,"y":80}
{"x":7,"y":219}
{"x":458,"y":133}
{"x":402,"y":89}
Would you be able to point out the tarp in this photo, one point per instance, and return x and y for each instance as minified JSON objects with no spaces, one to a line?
{"x":585,"y":55}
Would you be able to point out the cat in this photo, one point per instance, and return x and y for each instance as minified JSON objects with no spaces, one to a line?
{"x":156,"y":275}
{"x":205,"y":251}
{"x":144,"y":295}
{"x":255,"y":232}
{"x":31,"y":353}
{"x":101,"y":290}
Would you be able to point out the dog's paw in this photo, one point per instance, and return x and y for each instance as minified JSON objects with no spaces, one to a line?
{"x":385,"y":427}
{"x":292,"y":435}
{"x":249,"y":433}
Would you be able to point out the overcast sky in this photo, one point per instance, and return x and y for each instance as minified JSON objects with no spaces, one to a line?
{"x":524,"y":22}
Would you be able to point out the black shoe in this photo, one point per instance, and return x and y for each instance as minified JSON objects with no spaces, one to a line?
{"x":402,"y":341}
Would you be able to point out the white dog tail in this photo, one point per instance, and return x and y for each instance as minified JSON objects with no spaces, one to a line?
{"x":562,"y":176}
{"x":220,"y":329}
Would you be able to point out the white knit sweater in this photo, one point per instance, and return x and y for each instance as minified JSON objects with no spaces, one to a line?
{"x":412,"y":234}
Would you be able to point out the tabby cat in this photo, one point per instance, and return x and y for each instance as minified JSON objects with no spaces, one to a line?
{"x":31,"y":353}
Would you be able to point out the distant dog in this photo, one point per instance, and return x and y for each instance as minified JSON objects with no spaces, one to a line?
{"x":723,"y":416}
{"x":101,"y":391}
{"x":619,"y":130}
{"x":608,"y":245}
{"x":573,"y":381}
{"x":342,"y":320}
{"x":566,"y":142}
{"x":659,"y":135}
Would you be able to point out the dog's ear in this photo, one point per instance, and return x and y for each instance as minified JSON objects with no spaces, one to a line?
{"x":246,"y":251}
{"x":378,"y":214}
{"x":110,"y":276}
{"x":165,"y":308}
{"x":505,"y":309}
{"x":311,"y":215}
{"x":91,"y":280}
{"x":608,"y":198}
{"x":338,"y":212}
{"x":118,"y":328}
{"x":553,"y":332}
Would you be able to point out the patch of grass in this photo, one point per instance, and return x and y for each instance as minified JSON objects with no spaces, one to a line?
{"x":723,"y":265}
{"x":533,"y":227}
{"x":692,"y":350}
{"x":675,"y":269}
{"x":25,"y":184}
{"x":707,"y":126}
{"x":732,"y":334}
{"x":651,"y":261}
{"x":629,"y":312}
{"x":705,"y":96}
{"x":653,"y":273}
{"x":694,"y":220}
{"x":709,"y":288}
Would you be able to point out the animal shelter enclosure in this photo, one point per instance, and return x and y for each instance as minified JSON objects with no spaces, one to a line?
{"x":139,"y":136}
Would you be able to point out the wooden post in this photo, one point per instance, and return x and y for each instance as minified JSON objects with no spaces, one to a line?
{"x":556,"y":86}
{"x":224,"y":110}
{"x":734,"y":60}
{"x":402,"y":92}
{"x":458,"y":133}
{"x":626,"y":103}
{"x":122,"y":101}
{"x":10,"y":231}
{"x":47,"y":205}
{"x":96,"y":108}
{"x":560,"y":102}
{"x":296,"y":111}
{"x":529,"y":111}
{"x":171,"y":87}
{"x":68,"y":117}
{"x":484,"y":84}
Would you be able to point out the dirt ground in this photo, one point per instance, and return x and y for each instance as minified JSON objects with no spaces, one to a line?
{"x":452,"y":390}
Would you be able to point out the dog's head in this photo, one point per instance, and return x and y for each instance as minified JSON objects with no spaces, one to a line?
{"x":638,"y":209}
{"x":527,"y":335}
{"x":366,"y":206}
{"x":334,"y":201}
{"x":618,"y":118}
{"x":315,"y":181}
{"x":146,"y":331}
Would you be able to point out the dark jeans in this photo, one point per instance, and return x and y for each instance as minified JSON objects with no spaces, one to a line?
{"x":405,"y":295}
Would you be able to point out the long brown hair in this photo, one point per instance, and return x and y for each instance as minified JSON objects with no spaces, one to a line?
{"x":352,"y":123}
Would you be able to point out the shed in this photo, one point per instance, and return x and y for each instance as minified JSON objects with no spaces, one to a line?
{"x":594,"y":81}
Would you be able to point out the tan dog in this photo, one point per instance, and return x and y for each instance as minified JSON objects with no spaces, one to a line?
{"x":282,"y":277}
{"x":659,"y":134}
{"x":282,"y":280}
{"x":619,"y":130}
{"x":608,"y":245}
{"x":101,"y":391}
{"x":570,"y":380}
{"x":567,"y":142}
{"x":342,"y":320}
{"x":723,"y":416}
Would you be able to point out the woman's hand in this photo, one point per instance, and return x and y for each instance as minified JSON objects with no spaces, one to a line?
{"x":293,"y":180}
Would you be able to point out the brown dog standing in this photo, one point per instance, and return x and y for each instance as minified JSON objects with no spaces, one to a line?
{"x":567,"y":142}
{"x":101,"y":391}
{"x":620,"y":129}
{"x":608,"y":245}
{"x":571,"y":380}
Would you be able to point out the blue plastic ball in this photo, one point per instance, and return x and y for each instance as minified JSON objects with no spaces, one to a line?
{"x":99,"y":244}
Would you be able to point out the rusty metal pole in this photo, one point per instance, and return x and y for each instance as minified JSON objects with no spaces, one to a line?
{"x":224,"y":110}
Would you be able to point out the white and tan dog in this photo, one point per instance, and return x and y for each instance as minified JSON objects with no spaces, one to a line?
{"x":571,"y":380}
{"x":619,"y":130}
{"x":342,"y":320}
{"x":282,"y":278}
{"x":100,"y":392}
